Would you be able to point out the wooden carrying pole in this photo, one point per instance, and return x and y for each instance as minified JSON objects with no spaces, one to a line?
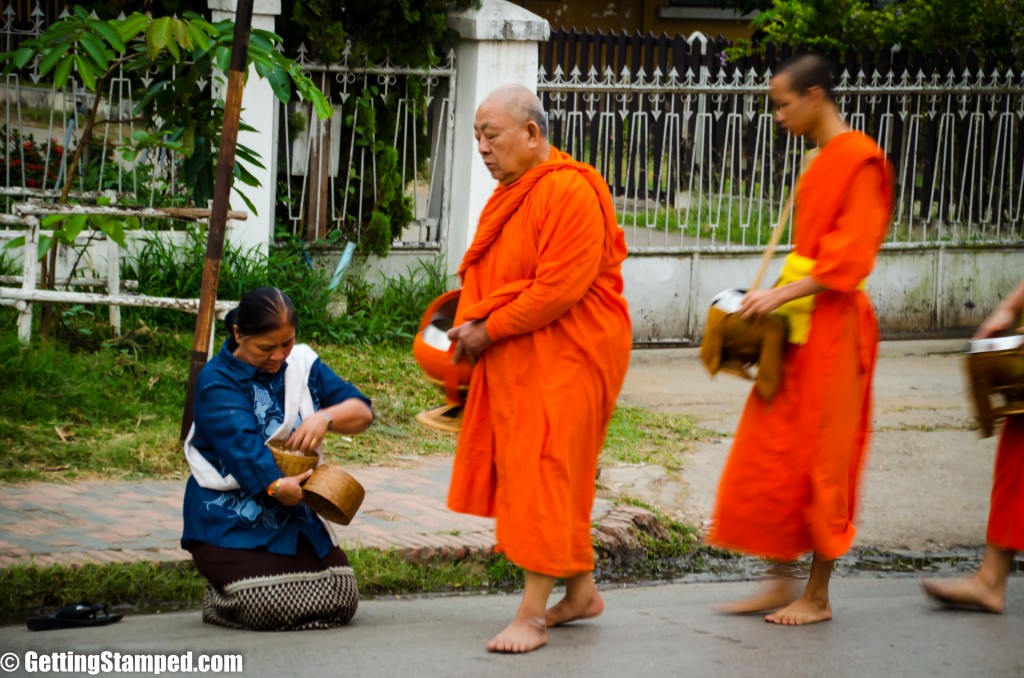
{"x":780,"y":226}
{"x":221,"y":193}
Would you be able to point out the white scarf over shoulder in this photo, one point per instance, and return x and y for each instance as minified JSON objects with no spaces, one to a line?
{"x":297,"y":401}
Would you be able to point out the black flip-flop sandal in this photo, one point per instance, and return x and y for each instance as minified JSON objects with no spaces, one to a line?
{"x":76,"y":615}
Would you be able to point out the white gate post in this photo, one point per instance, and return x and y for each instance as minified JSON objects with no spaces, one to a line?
{"x":29,"y":277}
{"x":497,"y":46}
{"x":261,"y":110}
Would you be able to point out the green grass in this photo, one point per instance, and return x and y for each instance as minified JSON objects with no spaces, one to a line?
{"x":118,"y":410}
{"x":640,"y":436}
{"x":697,"y":221}
{"x":111,"y":413}
{"x":390,"y":377}
{"x":27,"y":590}
{"x":388,"y":573}
{"x":388,"y":312}
{"x":37,"y":115}
{"x":115,"y":412}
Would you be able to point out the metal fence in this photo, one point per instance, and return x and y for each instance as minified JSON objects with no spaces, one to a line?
{"x":687,"y":143}
{"x":41,"y":126}
{"x":376,"y":107}
{"x":320,"y":193}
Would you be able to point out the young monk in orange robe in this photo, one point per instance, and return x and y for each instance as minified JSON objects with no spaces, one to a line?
{"x":541,"y":312}
{"x":986,"y":590}
{"x":790,"y":483}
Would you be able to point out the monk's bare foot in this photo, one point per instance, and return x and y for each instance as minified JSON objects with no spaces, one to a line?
{"x":967,"y":594}
{"x":522,"y":635}
{"x":567,"y":610}
{"x":772,"y":595}
{"x":802,"y":611}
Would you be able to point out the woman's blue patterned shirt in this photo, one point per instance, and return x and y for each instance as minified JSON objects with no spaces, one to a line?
{"x":237,"y":407}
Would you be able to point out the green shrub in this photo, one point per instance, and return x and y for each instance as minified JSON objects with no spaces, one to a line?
{"x":391,"y":311}
{"x":164,"y":269}
{"x":992,"y":27}
{"x":387,"y":312}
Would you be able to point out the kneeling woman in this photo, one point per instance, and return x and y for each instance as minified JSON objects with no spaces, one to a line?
{"x":270,"y":562}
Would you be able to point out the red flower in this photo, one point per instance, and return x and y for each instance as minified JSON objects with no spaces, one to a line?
{"x":31,"y":183}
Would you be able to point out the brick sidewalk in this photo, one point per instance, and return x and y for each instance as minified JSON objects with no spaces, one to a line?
{"x":107,"y":522}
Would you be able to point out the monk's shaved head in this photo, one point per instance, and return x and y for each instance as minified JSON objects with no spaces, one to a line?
{"x":521,"y":103}
{"x":511,"y":132}
{"x":804,"y":72}
{"x":801,"y":93}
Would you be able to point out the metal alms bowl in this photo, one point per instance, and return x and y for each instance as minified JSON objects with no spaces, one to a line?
{"x":995,"y":368}
{"x":729,"y":300}
{"x":1007,"y":343}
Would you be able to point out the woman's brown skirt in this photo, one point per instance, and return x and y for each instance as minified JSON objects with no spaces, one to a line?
{"x":265,"y":591}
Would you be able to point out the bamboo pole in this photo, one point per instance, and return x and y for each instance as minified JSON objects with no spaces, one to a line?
{"x":221,"y":193}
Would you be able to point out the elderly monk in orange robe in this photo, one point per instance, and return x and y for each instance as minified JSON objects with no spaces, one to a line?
{"x":790,"y":483}
{"x":986,"y":590}
{"x":542,"y":315}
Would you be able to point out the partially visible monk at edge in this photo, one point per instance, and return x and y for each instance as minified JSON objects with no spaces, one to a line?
{"x":790,"y":484}
{"x":541,"y":315}
{"x":1004,"y":538}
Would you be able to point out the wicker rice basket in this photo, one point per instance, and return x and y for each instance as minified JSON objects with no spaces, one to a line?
{"x":292,"y":463}
{"x":333,"y":494}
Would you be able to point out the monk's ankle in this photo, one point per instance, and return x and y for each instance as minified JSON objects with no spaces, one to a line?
{"x":817,"y":598}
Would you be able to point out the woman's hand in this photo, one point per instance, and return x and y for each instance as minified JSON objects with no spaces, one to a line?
{"x":310,"y":433}
{"x":288,"y":490}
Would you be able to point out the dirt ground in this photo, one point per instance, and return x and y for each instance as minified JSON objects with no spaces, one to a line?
{"x":929,"y":473}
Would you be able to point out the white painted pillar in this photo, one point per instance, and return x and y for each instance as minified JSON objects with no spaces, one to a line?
{"x":497,"y":46}
{"x":261,"y":110}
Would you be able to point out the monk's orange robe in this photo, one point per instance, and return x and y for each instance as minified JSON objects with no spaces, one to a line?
{"x":790,"y":483}
{"x":545,"y":270}
{"x":1006,"y":512}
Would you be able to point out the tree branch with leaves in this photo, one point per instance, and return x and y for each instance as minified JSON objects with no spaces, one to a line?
{"x":176,"y":58}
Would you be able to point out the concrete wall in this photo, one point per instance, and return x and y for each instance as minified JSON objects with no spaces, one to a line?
{"x":933,"y":292}
{"x":921,"y":292}
{"x":929,"y":292}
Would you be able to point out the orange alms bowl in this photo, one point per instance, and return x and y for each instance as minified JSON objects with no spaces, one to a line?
{"x":433,"y":350}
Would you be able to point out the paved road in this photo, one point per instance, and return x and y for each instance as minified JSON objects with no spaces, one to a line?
{"x":882,"y":627}
{"x":928,"y":476}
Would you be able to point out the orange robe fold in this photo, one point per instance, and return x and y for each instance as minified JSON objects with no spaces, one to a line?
{"x":544,"y":269}
{"x":1006,"y":512}
{"x":791,"y":480}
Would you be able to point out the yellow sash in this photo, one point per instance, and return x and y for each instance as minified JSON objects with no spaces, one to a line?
{"x":798,"y":312}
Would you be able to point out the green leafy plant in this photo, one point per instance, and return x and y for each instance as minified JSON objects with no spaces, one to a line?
{"x":165,"y":269}
{"x":175,"y":54}
{"x":389,"y":208}
{"x":390,"y":311}
{"x":409,"y":32}
{"x":817,"y":24}
{"x":995,"y":27}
